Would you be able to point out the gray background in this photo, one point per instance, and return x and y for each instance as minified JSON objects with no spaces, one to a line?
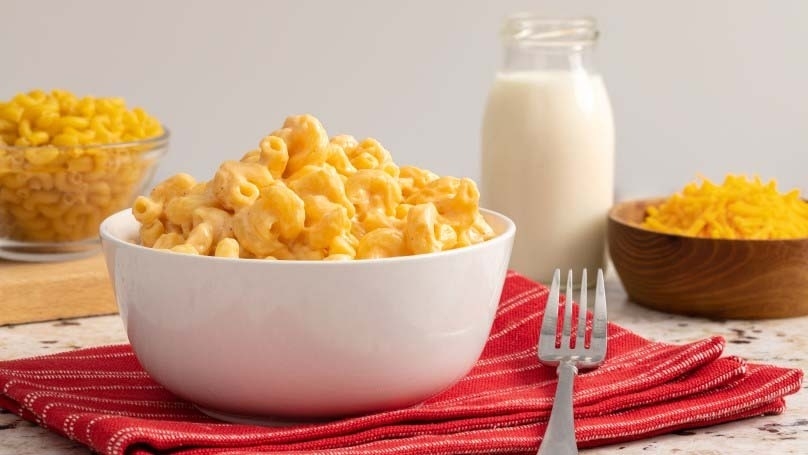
{"x":698,"y":87}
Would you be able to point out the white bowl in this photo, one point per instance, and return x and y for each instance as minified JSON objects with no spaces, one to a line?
{"x":249,"y":339}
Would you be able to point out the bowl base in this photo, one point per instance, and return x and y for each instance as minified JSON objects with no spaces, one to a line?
{"x":264,"y":421}
{"x":48,"y":251}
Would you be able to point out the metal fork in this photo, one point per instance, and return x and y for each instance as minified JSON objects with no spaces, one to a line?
{"x":559,"y":438}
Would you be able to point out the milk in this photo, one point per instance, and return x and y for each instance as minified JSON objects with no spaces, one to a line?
{"x":548,"y":164}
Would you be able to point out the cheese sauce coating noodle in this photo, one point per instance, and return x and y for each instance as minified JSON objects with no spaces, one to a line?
{"x":304,"y":196}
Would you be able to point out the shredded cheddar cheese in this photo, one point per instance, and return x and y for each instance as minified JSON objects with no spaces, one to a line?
{"x":739,"y":208}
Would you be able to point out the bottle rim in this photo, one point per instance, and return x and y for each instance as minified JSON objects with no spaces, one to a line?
{"x":534,"y":30}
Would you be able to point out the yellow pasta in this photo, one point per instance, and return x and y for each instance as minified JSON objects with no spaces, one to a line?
{"x":60,"y":154}
{"x":237,"y":184}
{"x":739,"y":208}
{"x":312,"y":181}
{"x":185,"y":249}
{"x":201,"y":238}
{"x":425,"y":233}
{"x":228,"y":248}
{"x":147,"y":210}
{"x":60,"y":118}
{"x":170,"y":240}
{"x":220,"y":221}
{"x":303,"y":196}
{"x":151,"y":232}
{"x":382,"y":243}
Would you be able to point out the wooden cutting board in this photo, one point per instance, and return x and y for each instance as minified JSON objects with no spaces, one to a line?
{"x":32,"y":292}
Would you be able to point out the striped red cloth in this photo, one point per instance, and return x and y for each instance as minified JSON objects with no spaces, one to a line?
{"x":102,"y":398}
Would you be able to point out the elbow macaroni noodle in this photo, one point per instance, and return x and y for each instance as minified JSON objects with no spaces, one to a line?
{"x":301,"y":195}
{"x":66,"y":163}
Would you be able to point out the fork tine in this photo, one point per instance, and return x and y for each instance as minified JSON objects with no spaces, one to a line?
{"x":559,"y":437}
{"x":599,"y":318}
{"x":566,"y":327}
{"x":550,"y":320}
{"x":580,"y":339}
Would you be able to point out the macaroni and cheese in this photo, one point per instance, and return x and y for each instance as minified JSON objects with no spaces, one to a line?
{"x":61,"y":168}
{"x":302,"y":195}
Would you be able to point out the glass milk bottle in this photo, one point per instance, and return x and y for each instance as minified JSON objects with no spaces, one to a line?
{"x":548,"y":146}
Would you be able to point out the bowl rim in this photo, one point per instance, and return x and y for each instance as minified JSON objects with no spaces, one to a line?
{"x":612,"y":217}
{"x":505,"y":236}
{"x":156,"y":141}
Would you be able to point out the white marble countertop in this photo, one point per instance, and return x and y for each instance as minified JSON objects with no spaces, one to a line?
{"x":781,"y":342}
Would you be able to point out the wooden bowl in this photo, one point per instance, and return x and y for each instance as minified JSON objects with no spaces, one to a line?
{"x":715,"y":278}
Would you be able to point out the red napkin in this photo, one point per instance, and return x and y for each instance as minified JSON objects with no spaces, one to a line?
{"x":102,"y":398}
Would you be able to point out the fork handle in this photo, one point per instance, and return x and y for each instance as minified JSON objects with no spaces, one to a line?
{"x":559,"y":438}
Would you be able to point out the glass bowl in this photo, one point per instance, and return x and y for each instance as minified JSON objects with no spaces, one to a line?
{"x":53,"y":199}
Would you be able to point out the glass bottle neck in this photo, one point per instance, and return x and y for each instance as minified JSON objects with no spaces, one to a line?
{"x":548,"y":58}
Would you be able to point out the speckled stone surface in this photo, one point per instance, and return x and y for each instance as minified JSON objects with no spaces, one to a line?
{"x":780,"y":342}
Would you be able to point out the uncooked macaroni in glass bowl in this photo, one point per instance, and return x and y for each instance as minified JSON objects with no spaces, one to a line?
{"x":304,"y":196}
{"x":66,"y":163}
